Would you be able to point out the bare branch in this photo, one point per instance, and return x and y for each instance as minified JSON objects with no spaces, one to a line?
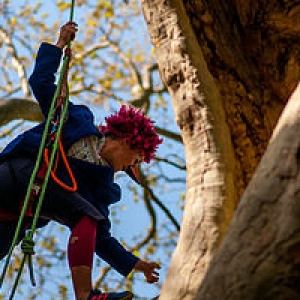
{"x":10,"y":92}
{"x":102,"y":276}
{"x":102,"y":91}
{"x":7,"y":133}
{"x":147,"y":73}
{"x":146,"y":186}
{"x":178,"y":166}
{"x":16,"y":63}
{"x":169,"y":134}
{"x":152,"y":230}
{"x":92,"y":49}
{"x":128,"y":62}
{"x":19,"y":108}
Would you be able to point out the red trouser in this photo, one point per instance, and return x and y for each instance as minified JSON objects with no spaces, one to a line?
{"x":82,"y":243}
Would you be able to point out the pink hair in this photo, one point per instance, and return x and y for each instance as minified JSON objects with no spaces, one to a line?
{"x":138,"y":130}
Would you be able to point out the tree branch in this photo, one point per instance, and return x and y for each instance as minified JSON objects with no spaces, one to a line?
{"x":178,"y":166}
{"x":132,"y":68}
{"x":16,"y":63}
{"x":19,"y":108}
{"x":145,"y":185}
{"x":169,"y":134}
{"x":92,"y":49}
{"x":152,"y":230}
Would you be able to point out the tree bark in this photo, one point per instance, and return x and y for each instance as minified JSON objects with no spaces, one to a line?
{"x":252,"y":51}
{"x":14,"y":109}
{"x":199,"y":113}
{"x":260,"y":255}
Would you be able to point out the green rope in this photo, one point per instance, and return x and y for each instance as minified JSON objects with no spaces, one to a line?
{"x":27,"y":245}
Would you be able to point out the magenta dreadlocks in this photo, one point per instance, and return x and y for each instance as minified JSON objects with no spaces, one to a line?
{"x":138,"y":130}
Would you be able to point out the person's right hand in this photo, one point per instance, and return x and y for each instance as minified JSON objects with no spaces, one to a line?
{"x":67,"y":33}
{"x":149,"y":269}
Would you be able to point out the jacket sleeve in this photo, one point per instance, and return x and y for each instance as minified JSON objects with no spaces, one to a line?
{"x":43,"y":76}
{"x":110,"y":250}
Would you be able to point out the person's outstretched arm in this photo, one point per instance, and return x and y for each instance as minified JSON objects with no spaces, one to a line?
{"x":47,"y":62}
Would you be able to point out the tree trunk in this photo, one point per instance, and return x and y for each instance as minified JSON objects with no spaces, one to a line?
{"x":260,"y":255}
{"x":229,"y":68}
{"x":198,"y":109}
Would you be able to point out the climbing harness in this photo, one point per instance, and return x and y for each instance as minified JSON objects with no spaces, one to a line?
{"x":50,"y":150}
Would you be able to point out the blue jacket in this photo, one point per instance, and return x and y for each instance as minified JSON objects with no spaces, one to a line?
{"x":95,"y":182}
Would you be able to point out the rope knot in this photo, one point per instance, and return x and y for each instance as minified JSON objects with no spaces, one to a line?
{"x":27,"y":245}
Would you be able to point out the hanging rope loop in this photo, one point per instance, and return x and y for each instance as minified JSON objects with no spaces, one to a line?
{"x":73,"y":186}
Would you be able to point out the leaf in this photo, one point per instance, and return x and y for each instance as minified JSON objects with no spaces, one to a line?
{"x":136,"y":253}
{"x":107,"y":84}
{"x":63,"y":6}
{"x":139,"y":58}
{"x":109,"y":13}
{"x":13,"y":21}
{"x":92,"y":23}
{"x":119,"y":75}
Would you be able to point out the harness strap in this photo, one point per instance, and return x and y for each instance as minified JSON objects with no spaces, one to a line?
{"x":35,"y":191}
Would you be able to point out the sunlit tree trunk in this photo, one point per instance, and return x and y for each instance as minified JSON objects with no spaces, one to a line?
{"x":229,"y":69}
{"x":260,"y":255}
{"x":209,"y":154}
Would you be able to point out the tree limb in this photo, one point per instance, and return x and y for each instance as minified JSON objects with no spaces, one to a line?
{"x":159,"y":203}
{"x":171,"y":163}
{"x":15,"y":61}
{"x":169,"y":134}
{"x":19,"y":108}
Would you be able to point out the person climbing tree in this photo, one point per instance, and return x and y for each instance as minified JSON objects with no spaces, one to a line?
{"x":94,"y":154}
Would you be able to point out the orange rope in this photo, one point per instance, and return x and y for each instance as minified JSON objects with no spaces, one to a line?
{"x":73,"y":187}
{"x":60,"y":100}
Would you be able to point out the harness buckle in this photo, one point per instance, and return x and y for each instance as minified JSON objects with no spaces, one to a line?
{"x":36,"y":188}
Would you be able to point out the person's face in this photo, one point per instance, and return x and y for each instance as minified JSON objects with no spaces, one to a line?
{"x":124,"y":156}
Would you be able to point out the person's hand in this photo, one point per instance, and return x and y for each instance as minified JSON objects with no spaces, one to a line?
{"x":149,"y":269}
{"x":67,"y":33}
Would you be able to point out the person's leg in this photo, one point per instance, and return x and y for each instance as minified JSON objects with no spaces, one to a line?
{"x":9,"y":207}
{"x":10,"y":191}
{"x":81,"y":249}
{"x":80,"y":255}
{"x":7,"y":232}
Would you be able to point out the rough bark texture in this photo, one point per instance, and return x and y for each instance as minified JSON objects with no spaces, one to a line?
{"x":230,"y":67}
{"x":209,"y":153}
{"x":260,"y":255}
{"x":252,"y":52}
